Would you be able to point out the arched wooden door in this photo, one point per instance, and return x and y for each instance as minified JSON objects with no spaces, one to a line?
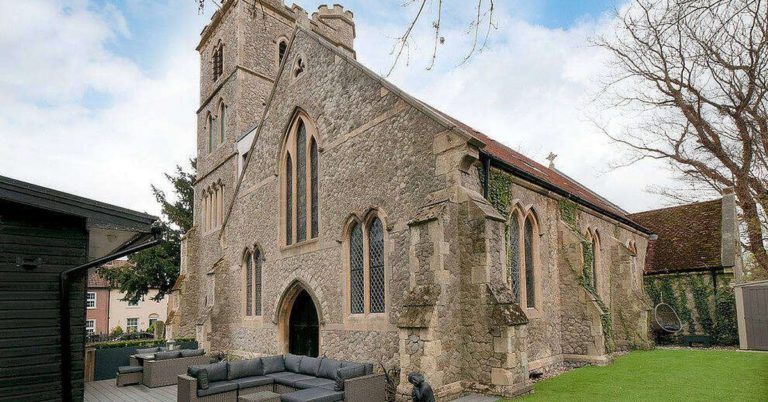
{"x":303,"y":328}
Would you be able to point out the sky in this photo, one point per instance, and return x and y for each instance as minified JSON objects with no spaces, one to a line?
{"x":98,"y":97}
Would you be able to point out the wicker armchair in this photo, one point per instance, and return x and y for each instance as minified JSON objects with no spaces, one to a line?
{"x":187,"y":392}
{"x":160,"y":373}
{"x":368,"y":388}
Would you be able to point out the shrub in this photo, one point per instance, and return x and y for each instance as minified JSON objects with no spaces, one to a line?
{"x":116,"y":331}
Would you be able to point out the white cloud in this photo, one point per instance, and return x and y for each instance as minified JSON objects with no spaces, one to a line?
{"x":111,"y":152}
{"x":532,"y":90}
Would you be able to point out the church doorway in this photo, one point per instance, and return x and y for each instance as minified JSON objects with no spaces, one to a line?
{"x":303,"y":327}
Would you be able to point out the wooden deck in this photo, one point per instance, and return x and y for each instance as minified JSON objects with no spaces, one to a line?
{"x":107,"y":391}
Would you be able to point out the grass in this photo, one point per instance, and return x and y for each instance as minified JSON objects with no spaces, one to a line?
{"x":664,"y":375}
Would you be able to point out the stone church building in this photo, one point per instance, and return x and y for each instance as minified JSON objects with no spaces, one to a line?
{"x":335,"y":215}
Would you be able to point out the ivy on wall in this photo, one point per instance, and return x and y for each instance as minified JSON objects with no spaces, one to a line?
{"x":701,"y":294}
{"x":500,"y":190}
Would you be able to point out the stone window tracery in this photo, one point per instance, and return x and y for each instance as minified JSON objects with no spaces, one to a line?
{"x":523,"y":257}
{"x":253,"y":261}
{"x":212,"y":207}
{"x":513,"y":253}
{"x":301,"y":184}
{"x":222,"y":122}
{"x":218,"y":61}
{"x":367,"y":275}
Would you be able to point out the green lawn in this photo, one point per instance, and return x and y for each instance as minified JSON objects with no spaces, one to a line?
{"x":664,"y":375}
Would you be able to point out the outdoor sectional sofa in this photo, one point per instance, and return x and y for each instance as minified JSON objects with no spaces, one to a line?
{"x":295,"y":378}
{"x":160,"y":367}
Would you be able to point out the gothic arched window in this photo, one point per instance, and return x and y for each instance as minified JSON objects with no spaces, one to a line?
{"x":376,"y":265}
{"x":258,"y":261}
{"x":356,"y":270}
{"x":301,"y":184}
{"x":222,"y":122}
{"x":529,"y":239}
{"x":513,"y":253}
{"x":590,"y":252}
{"x":282,"y":46}
{"x":248,"y":283}
{"x":210,"y":132}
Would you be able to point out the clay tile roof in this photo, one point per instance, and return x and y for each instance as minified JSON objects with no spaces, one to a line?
{"x":535,"y":169}
{"x":689,"y":236}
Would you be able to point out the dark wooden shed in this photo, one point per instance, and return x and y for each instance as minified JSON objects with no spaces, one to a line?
{"x":48,"y":239}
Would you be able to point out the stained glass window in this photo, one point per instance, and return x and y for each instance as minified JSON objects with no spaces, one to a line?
{"x":288,"y":200}
{"x":530,"y":279}
{"x":248,"y":284}
{"x":513,"y":254}
{"x":301,"y":183}
{"x":313,"y":184}
{"x":376,"y":265}
{"x":356,"y":270}
{"x":258,"y":262}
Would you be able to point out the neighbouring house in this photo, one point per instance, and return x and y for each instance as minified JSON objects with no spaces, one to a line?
{"x":106,"y":309}
{"x":48,"y":240}
{"x":336,"y":215}
{"x":692,"y":264}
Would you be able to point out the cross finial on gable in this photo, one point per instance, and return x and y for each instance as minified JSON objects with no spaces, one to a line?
{"x":551,"y":158}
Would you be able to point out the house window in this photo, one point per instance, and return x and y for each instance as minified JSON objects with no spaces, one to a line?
{"x":300,"y":185}
{"x":210,"y":133}
{"x":218,"y":61}
{"x":282,"y":46}
{"x":222,"y":122}
{"x":590,"y":255}
{"x":253,"y":266}
{"x":153,"y":319}
{"x":90,"y":300}
{"x":132,"y":324}
{"x":513,"y":253}
{"x":367,"y":267}
{"x":132,"y":303}
{"x":90,"y":327}
{"x":522,"y":257}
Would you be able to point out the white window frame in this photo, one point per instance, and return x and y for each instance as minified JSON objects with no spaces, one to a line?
{"x":128,"y":325}
{"x":88,"y":300}
{"x":90,"y":329}
{"x":132,"y":305}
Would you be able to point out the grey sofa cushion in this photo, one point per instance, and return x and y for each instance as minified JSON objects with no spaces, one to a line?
{"x":217,"y":371}
{"x":290,"y":379}
{"x":279,"y":374}
{"x":273,"y":364}
{"x":245,"y":368}
{"x":309,"y":365}
{"x":368,"y":366}
{"x":317,"y":382}
{"x":192,"y":352}
{"x":146,"y":351}
{"x":254,"y":381}
{"x":346,"y":373}
{"x":167,"y":355}
{"x":328,"y":368}
{"x":292,"y":363}
{"x":312,"y":395}
{"x":129,"y":369}
{"x":217,"y":388}
{"x":199,"y":373}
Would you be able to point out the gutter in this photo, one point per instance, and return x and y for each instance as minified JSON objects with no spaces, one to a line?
{"x":64,"y":322}
{"x":498,"y":163}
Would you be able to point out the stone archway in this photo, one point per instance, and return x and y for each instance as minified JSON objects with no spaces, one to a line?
{"x":299,"y":319}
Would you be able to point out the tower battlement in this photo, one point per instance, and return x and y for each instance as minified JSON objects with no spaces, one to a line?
{"x":337,"y":11}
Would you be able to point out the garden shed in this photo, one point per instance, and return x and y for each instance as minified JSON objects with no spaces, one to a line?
{"x":48,"y":239}
{"x":752,"y":314}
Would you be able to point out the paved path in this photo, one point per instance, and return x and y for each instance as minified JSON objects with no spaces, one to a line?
{"x":107,"y":391}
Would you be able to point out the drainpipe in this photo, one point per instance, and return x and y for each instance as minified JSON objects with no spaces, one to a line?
{"x":64,"y":323}
{"x":486,"y":173}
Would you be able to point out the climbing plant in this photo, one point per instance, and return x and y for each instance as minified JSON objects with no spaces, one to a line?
{"x":701,"y":297}
{"x":499,"y":190}
{"x":726,"y":331}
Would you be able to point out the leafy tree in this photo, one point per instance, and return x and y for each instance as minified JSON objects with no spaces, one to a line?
{"x":158,"y":267}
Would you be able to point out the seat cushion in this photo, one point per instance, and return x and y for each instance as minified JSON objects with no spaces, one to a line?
{"x":292,"y":363}
{"x":312,"y":395}
{"x":217,"y":388}
{"x":130,"y":369}
{"x":317,"y":382}
{"x":255,"y":381}
{"x":200,"y":373}
{"x":245,"y":368}
{"x":192,"y":352}
{"x":328,"y":368}
{"x":147,"y":351}
{"x":290,"y":379}
{"x":273,"y":364}
{"x":167,"y":355}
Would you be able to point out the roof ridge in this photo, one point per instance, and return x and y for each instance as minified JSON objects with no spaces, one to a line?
{"x":718,"y":200}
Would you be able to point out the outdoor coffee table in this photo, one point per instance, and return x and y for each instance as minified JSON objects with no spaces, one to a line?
{"x":263,"y":396}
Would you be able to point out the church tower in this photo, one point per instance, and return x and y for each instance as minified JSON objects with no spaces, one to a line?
{"x":240,"y":53}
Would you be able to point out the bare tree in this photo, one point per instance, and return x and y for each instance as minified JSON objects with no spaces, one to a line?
{"x":697,"y":70}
